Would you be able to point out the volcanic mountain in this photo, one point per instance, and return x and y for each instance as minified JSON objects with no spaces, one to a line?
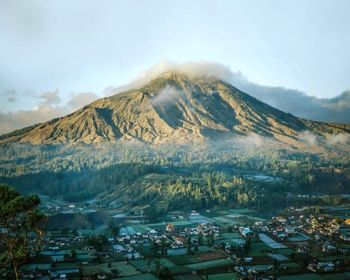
{"x":175,"y":108}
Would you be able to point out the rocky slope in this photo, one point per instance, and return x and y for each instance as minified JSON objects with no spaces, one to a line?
{"x":175,"y":108}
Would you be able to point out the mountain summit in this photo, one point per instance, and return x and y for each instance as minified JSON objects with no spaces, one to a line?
{"x":174,"y":108}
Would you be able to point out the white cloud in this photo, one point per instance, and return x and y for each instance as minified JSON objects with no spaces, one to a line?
{"x":166,"y":95}
{"x":50,"y":97}
{"x":46,"y":110}
{"x":81,"y":99}
{"x":11,"y":96}
{"x":341,"y":139}
{"x":308,"y":137}
{"x":201,"y":68}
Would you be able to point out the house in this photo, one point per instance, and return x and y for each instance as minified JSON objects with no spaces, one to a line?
{"x":102,"y":276}
{"x":170,"y":228}
{"x":344,"y":251}
{"x":35,"y":270}
{"x":63,"y":274}
{"x":133,"y":255}
{"x":281,"y":219}
{"x":326,"y":266}
{"x":200,"y":228}
{"x":194,"y":213}
{"x":282,"y":235}
{"x":118,"y":248}
{"x":289,"y":230}
{"x":279,"y":228}
{"x":180,"y":240}
{"x":56,"y":256}
{"x":246,"y":232}
{"x":326,"y":247}
{"x":345,"y":237}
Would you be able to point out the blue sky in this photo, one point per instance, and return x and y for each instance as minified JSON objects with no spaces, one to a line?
{"x":84,"y":46}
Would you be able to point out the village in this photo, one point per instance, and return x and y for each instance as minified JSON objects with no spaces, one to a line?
{"x":299,"y":243}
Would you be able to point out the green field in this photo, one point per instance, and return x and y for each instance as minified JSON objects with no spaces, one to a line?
{"x":183,"y":260}
{"x":257,"y":248}
{"x":231,"y":238}
{"x":143,"y":265}
{"x":204,"y":249}
{"x":314,"y":276}
{"x":291,"y":265}
{"x":256,"y":219}
{"x":123,"y":268}
{"x":309,"y":276}
{"x":231,"y":235}
{"x":334,"y":258}
{"x":223,"y":221}
{"x":141,"y":228}
{"x":209,"y":264}
{"x":223,"y":276}
{"x":285,"y":251}
{"x":145,"y":276}
{"x":67,"y":265}
{"x":241,"y":211}
{"x":177,"y":252}
{"x":166,"y":262}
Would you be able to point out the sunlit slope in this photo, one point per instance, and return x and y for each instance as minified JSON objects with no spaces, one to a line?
{"x":175,"y":108}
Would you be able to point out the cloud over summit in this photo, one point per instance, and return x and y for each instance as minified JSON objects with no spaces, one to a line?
{"x":292,"y":101}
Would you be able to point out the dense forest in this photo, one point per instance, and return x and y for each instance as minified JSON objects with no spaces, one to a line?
{"x":173,"y":177}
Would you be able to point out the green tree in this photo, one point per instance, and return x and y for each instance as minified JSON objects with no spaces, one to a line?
{"x":165,"y":274}
{"x":151,"y":214}
{"x":99,"y":242}
{"x":163,"y":247}
{"x":276,"y":264}
{"x":200,"y":239}
{"x":158,"y":267}
{"x":189,"y":244}
{"x":19,"y":216}
{"x":73,"y":254}
{"x":210,"y":240}
{"x":114,"y":228}
{"x":154,"y":248}
{"x":247,"y":244}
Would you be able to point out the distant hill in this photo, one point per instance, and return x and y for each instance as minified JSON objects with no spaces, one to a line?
{"x":176,"y":108}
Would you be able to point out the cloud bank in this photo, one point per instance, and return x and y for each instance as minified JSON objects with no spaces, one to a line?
{"x":48,"y":108}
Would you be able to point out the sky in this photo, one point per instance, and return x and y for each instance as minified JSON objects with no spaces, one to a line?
{"x":58,"y":55}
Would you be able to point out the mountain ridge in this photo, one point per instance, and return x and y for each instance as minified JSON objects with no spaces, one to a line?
{"x":175,"y":108}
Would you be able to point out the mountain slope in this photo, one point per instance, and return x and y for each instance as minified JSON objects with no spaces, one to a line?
{"x":175,"y":108}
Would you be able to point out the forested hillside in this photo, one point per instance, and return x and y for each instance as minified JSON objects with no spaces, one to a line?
{"x":174,"y":177}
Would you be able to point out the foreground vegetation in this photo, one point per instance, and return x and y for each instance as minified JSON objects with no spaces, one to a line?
{"x":20,"y":220}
